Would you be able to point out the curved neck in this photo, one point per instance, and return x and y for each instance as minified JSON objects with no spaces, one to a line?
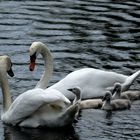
{"x":77,"y":97}
{"x":5,"y":91}
{"x":44,"y":81}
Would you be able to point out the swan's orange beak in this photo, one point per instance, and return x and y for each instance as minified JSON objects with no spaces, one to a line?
{"x":32,"y":63}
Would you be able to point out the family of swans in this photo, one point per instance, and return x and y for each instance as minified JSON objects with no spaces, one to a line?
{"x":59,"y":104}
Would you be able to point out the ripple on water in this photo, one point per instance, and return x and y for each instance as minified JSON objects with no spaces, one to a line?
{"x":102,"y":34}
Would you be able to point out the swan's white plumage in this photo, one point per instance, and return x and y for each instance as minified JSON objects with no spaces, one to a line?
{"x":92,"y":82}
{"x":36,"y":107}
{"x":29,"y":102}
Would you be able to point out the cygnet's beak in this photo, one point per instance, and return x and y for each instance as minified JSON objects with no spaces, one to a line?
{"x":70,"y":89}
{"x":10,"y":72}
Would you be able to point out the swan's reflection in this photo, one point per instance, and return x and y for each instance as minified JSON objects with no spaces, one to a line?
{"x":17,"y":133}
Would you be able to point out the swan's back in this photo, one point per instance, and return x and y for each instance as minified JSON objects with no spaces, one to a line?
{"x":54,"y":114}
{"x":30,"y":102}
{"x":91,"y":81}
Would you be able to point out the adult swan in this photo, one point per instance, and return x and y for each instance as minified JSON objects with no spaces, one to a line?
{"x":92,"y":82}
{"x":35,"y":107}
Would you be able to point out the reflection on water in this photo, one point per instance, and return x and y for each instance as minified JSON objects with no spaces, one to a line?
{"x":100,"y":125}
{"x":103,"y":34}
{"x":16,"y":133}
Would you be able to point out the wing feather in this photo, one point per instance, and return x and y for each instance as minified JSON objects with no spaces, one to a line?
{"x":30,"y":101}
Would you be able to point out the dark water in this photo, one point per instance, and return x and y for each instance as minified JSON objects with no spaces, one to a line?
{"x":103,"y":34}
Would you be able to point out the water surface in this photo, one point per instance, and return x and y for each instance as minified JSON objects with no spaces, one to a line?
{"x":102,"y":34}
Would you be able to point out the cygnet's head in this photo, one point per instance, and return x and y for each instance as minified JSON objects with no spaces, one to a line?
{"x":108,"y":96}
{"x":6,"y":65}
{"x":76,"y":91}
{"x":117,"y":88}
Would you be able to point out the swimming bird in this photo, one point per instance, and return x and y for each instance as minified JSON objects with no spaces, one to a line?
{"x":77,"y":92}
{"x":118,"y":104}
{"x":88,"y":103}
{"x":130,"y":94}
{"x":92,"y":82}
{"x":36,"y":107}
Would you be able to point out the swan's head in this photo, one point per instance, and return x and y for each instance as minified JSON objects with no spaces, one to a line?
{"x":117,"y":88}
{"x":34,"y":50}
{"x":6,"y":65}
{"x":108,"y":96}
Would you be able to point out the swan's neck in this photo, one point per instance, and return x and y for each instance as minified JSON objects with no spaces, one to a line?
{"x":6,"y":92}
{"x":44,"y":81}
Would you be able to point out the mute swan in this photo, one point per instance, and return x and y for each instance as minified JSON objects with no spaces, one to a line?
{"x":35,"y":107}
{"x":88,"y":103}
{"x":118,"y":104}
{"x":93,"y":82}
{"x":130,"y":94}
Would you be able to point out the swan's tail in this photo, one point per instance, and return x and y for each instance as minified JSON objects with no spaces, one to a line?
{"x":130,"y":80}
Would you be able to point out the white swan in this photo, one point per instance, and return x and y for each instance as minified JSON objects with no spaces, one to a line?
{"x":92,"y":82}
{"x":36,"y":107}
{"x":118,"y":104}
{"x":130,"y":94}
